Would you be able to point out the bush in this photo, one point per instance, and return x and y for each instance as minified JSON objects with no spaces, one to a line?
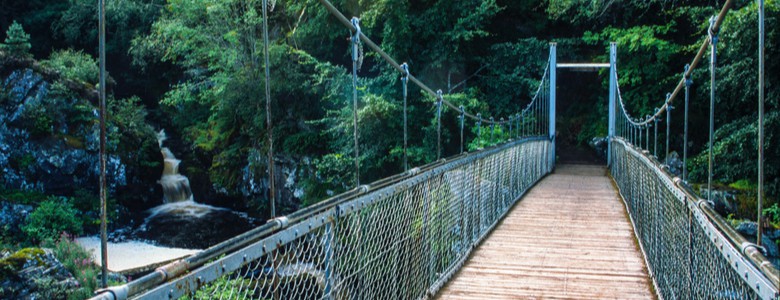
{"x":17,"y":42}
{"x":74,"y":65}
{"x":53,"y":217}
{"x":78,"y":261}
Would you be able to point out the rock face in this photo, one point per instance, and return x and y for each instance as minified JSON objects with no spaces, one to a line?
{"x":34,"y":273}
{"x":675,"y":164}
{"x":42,"y":147}
{"x":11,"y":216}
{"x":192,"y":225}
{"x":600,"y":144}
{"x":725,"y":202}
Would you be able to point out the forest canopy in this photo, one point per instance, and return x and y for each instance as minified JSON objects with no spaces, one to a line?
{"x":195,"y":68}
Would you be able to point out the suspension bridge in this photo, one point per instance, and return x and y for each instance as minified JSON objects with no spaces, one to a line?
{"x":501,"y":222}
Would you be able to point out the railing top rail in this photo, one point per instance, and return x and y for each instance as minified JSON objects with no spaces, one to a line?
{"x":732,"y":244}
{"x":175,"y":269}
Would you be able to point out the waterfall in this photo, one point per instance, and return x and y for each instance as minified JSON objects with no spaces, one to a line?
{"x":176,"y":187}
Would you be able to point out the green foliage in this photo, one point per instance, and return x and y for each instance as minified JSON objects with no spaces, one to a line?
{"x":773,"y":214}
{"x":743,"y":185}
{"x":135,"y":140}
{"x":17,"y":42}
{"x":78,"y":261}
{"x":224,"y":288}
{"x":22,"y":197}
{"x":75,"y":65}
{"x":646,"y":54}
{"x":736,"y":155}
{"x":50,"y":219}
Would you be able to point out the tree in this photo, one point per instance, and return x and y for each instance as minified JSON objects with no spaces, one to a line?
{"x":17,"y":42}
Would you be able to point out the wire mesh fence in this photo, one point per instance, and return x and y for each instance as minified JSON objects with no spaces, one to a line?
{"x":401,"y":241}
{"x":688,"y":254}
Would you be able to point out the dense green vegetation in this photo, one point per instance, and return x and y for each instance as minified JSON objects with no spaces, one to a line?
{"x":197,"y":67}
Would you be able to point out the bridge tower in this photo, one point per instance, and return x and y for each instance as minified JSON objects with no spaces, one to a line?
{"x":612,"y":98}
{"x":552,"y":134}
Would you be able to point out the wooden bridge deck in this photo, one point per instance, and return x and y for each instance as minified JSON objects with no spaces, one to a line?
{"x":569,"y":238}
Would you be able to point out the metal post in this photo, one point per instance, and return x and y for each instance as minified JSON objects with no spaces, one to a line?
{"x":522,"y":130}
{"x":462,"y":124}
{"x":641,"y":127}
{"x":612,"y":97}
{"x":479,"y":130}
{"x":647,"y":133}
{"x":517,"y":124}
{"x":551,"y":110}
{"x":355,"y":57}
{"x":405,"y":81}
{"x":501,"y":126}
{"x":492,"y":129}
{"x":761,"y":58}
{"x":103,"y":156}
{"x":655,"y":137}
{"x":688,"y":83}
{"x":669,"y":108}
{"x":713,"y":61}
{"x":439,"y":99}
{"x":269,"y":124}
{"x":509,"y":135}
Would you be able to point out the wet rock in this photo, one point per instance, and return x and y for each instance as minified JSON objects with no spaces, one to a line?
{"x":724,"y":202}
{"x":600,"y":144}
{"x":34,"y":273}
{"x":42,"y":147}
{"x":11,"y":217}
{"x":192,"y":225}
{"x":675,"y":164}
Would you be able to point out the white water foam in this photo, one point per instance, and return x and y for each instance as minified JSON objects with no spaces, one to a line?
{"x":132,"y":254}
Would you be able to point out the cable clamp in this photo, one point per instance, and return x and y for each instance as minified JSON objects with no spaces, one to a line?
{"x":113,"y":293}
{"x":747,"y":245}
{"x":405,"y":68}
{"x":713,"y":34}
{"x":283,"y":221}
{"x":686,"y":77}
{"x":413,"y":171}
{"x":356,"y":24}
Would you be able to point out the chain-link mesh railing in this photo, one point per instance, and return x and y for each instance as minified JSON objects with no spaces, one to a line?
{"x":399,"y":240}
{"x":690,"y":254}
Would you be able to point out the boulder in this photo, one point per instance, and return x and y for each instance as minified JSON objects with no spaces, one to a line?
{"x":11,"y":217}
{"x":34,"y":273}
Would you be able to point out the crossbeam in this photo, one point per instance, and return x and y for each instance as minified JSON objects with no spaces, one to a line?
{"x":583,"y":67}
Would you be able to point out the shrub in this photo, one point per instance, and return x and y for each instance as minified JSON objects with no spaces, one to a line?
{"x":773,"y":214}
{"x":75,"y":65}
{"x":78,"y":261}
{"x":17,"y":42}
{"x":52,"y":217}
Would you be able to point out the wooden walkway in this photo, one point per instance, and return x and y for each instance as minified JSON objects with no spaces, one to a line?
{"x":569,"y":238}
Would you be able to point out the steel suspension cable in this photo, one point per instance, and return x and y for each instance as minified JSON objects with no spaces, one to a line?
{"x":103,"y":155}
{"x":761,"y":88}
{"x":359,"y":35}
{"x":405,"y":81}
{"x":713,"y":61}
{"x":269,"y":124}
{"x":355,"y":56}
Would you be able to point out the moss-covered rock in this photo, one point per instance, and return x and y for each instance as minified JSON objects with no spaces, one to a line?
{"x":34,"y":273}
{"x":25,"y":258}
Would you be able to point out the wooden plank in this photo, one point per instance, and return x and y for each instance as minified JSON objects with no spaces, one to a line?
{"x":569,"y":238}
